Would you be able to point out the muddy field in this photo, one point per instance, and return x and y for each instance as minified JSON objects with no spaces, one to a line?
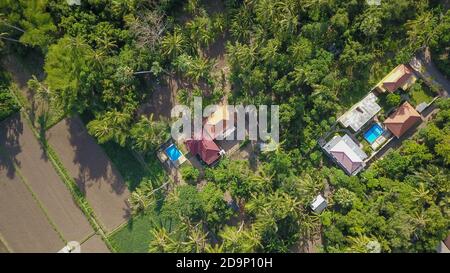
{"x":23,"y":224}
{"x":95,"y":244}
{"x":92,"y":170}
{"x":19,"y":142}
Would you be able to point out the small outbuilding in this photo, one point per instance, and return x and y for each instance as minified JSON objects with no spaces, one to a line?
{"x":444,"y":245}
{"x":319,"y":204}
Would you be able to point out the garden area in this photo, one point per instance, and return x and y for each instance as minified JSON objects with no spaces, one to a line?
{"x":420,"y":92}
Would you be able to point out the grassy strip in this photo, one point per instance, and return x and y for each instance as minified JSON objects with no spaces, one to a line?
{"x":5,"y":245}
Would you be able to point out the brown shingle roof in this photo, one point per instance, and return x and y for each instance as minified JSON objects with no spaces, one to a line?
{"x":397,"y":78}
{"x":402,"y":119}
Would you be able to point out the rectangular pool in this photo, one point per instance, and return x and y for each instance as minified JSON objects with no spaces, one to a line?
{"x":173,"y":153}
{"x":373,"y":133}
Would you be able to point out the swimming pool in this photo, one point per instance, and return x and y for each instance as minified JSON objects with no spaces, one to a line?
{"x":173,"y":153}
{"x":373,"y":133}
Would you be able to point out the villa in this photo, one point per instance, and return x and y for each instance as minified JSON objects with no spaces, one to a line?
{"x":220,"y":124}
{"x":402,"y":119}
{"x":346,"y":153}
{"x":205,"y":149}
{"x":400,"y":77}
{"x":360,"y":113}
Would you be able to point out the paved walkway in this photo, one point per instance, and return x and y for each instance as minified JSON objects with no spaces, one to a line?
{"x":426,"y":69}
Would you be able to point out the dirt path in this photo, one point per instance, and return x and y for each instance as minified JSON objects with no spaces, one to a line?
{"x":18,"y":140}
{"x":92,"y":170}
{"x":426,"y":69}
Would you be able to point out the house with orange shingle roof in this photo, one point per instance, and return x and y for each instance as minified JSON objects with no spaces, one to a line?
{"x":402,"y":119}
{"x":400,"y":77}
{"x":220,"y":124}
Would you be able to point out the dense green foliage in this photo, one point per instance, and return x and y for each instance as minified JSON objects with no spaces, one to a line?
{"x":8,"y":104}
{"x":313,"y":58}
{"x":401,"y":201}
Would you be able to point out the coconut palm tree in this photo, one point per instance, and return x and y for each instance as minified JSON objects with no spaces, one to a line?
{"x":199,"y":69}
{"x":105,"y":42}
{"x":148,"y":133}
{"x":173,"y":44}
{"x":141,"y":198}
{"x":421,"y":195}
{"x":216,"y":248}
{"x":196,"y":239}
{"x":161,"y":240}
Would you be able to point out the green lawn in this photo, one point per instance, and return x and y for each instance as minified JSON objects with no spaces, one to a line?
{"x":420,"y":93}
{"x":131,"y":170}
{"x":136,"y":236}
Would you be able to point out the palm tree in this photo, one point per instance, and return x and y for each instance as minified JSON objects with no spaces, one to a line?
{"x":217,"y":248}
{"x":263,"y":179}
{"x":231,"y":237}
{"x":111,"y":125}
{"x":196,"y":239}
{"x":140,"y":198}
{"x":173,"y":44}
{"x":148,"y":133}
{"x":42,"y":92}
{"x":359,"y":244}
{"x":161,"y":241}
{"x":422,"y":30}
{"x":419,"y":221}
{"x":105,"y":42}
{"x":421,"y":195}
{"x":98,"y":58}
{"x":435,"y":178}
{"x":309,"y":224}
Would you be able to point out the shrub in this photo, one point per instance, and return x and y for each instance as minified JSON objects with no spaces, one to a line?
{"x":190,"y":174}
{"x":393,"y":100}
{"x":9,"y":105}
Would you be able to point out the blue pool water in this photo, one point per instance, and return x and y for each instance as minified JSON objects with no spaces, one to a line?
{"x":373,"y":133}
{"x":173,"y":153}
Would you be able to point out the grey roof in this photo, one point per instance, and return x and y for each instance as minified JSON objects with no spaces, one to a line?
{"x":349,"y":141}
{"x":360,"y":113}
{"x":422,"y":106}
{"x":319,"y":204}
{"x":359,"y":155}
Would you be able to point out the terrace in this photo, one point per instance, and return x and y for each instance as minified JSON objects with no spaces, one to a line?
{"x":360,"y":113}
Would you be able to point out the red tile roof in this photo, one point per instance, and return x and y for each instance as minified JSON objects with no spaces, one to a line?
{"x":206,"y":149}
{"x":402,"y":119}
{"x":397,"y":78}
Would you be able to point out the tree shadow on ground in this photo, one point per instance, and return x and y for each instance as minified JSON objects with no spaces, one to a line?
{"x":10,"y":130}
{"x":94,"y":166}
